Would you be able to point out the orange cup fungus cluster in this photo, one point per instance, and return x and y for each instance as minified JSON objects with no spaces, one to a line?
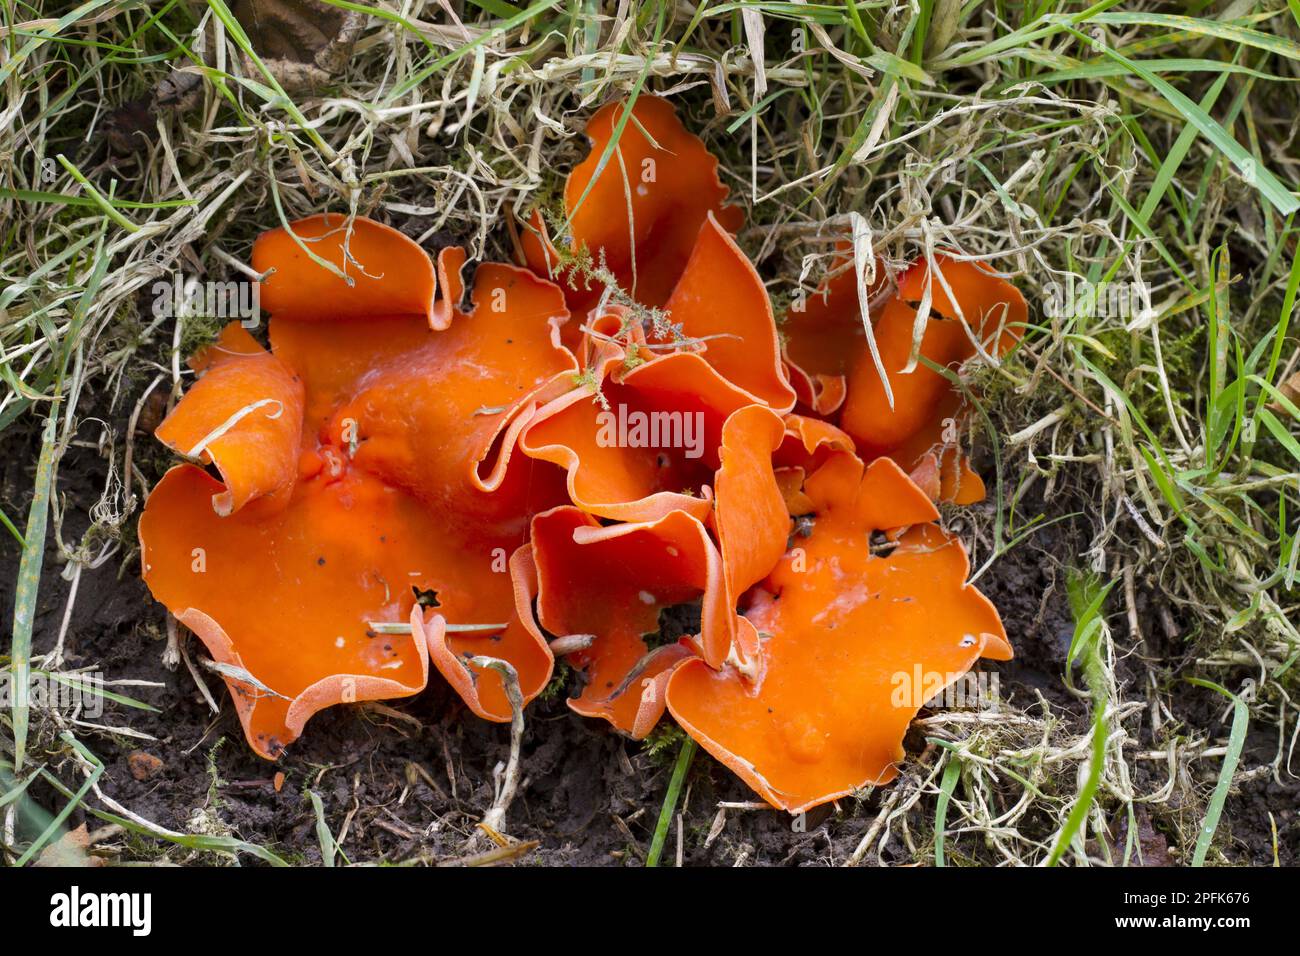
{"x":425,"y":469}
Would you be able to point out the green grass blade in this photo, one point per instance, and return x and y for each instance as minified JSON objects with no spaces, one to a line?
{"x":56,"y":824}
{"x":1087,"y":595}
{"x":1218,"y":29}
{"x":683,"y":764}
{"x":329,"y":848}
{"x":1236,"y":740}
{"x":1282,"y":199}
{"x":29,"y":579}
{"x":951,"y":774}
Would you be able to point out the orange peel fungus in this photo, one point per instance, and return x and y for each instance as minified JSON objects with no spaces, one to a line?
{"x":638,"y":206}
{"x":970,"y":311}
{"x":424,"y":469}
{"x":837,"y":627}
{"x":366,"y":478}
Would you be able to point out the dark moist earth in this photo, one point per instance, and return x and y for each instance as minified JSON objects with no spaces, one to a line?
{"x":409,"y":782}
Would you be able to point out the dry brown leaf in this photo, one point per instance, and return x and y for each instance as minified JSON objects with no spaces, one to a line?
{"x":302,"y":42}
{"x":1291,"y":389}
{"x":69,"y":850}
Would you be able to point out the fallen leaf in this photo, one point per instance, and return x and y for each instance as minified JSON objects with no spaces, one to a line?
{"x":302,"y":42}
{"x":1291,"y":390}
{"x":69,"y":850}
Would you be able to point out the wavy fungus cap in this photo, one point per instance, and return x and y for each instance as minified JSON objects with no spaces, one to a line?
{"x":837,"y":628}
{"x":425,"y":468}
{"x":365,"y":462}
{"x":641,"y":208}
{"x":969,"y":311}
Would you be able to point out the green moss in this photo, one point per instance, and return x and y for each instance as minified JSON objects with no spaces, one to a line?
{"x":661,"y":744}
{"x":557,"y":688}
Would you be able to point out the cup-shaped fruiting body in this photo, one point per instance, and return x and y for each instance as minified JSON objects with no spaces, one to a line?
{"x":913,"y":413}
{"x":637,"y":208}
{"x":816,"y":713}
{"x":429,"y":469}
{"x":367,"y":467}
{"x":612,"y":584}
{"x":330,"y":267}
{"x":972,"y":312}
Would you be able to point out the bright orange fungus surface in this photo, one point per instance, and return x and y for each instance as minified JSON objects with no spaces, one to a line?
{"x":611,"y":445}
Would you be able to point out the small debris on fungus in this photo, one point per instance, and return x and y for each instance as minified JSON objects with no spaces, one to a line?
{"x":473,"y":469}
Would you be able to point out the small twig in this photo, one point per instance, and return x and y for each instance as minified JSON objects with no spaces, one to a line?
{"x":571,"y":644}
{"x":498,"y":854}
{"x":171,"y":655}
{"x":194,"y":672}
{"x":865,"y":844}
{"x":399,"y":627}
{"x":234,"y":673}
{"x":495,"y":818}
{"x":55,"y":658}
